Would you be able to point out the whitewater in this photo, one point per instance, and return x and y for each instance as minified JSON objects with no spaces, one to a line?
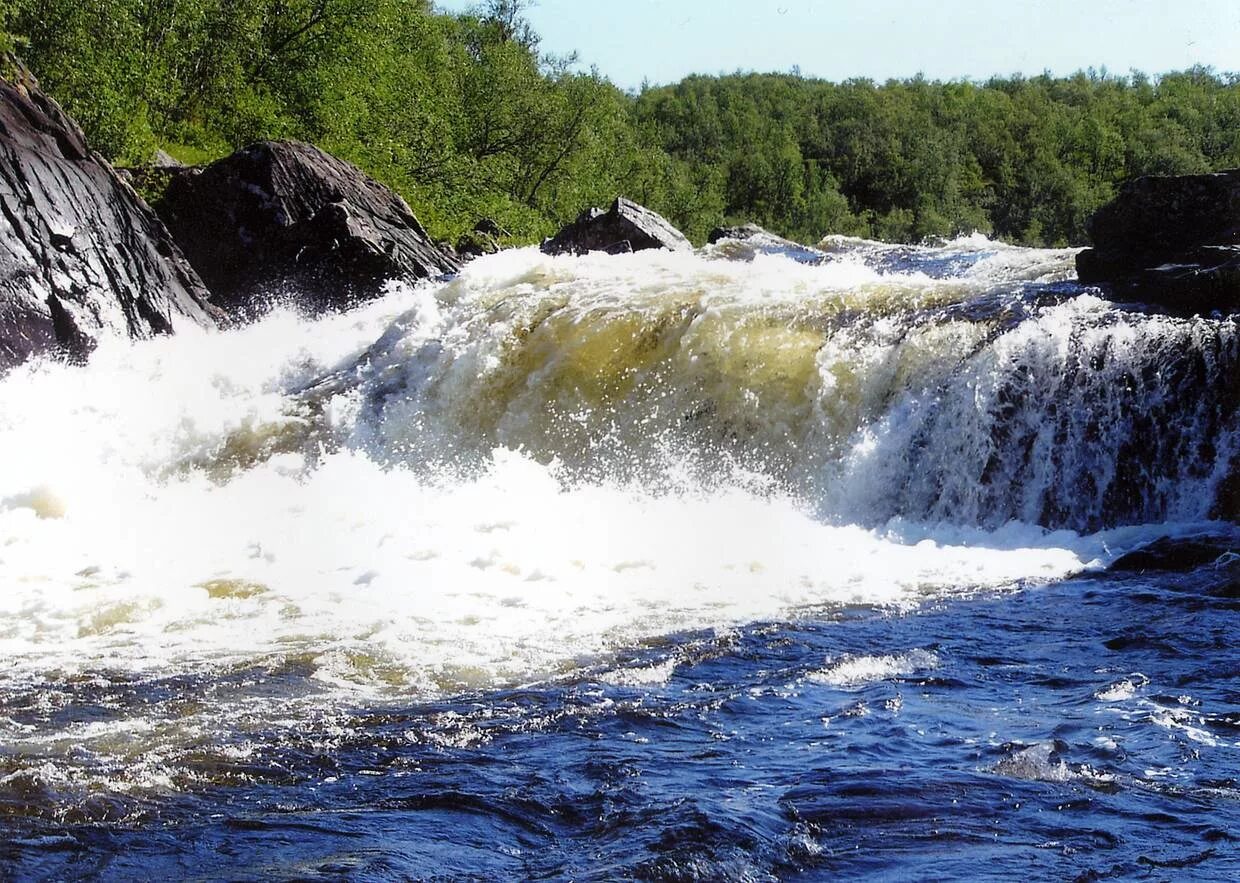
{"x":546,"y":472}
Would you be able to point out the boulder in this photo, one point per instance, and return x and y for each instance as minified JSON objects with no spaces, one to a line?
{"x":623,"y":228}
{"x":164,"y":160}
{"x":475,"y":245}
{"x":1172,"y":242}
{"x":284,"y":220}
{"x":1177,"y":554}
{"x":81,"y":255}
{"x":749,"y":240}
{"x":484,"y":239}
{"x":491,"y":227}
{"x":449,"y":251}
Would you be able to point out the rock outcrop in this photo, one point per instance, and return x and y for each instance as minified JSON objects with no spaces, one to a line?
{"x":1172,"y":242}
{"x":81,"y":255}
{"x":749,"y":240}
{"x":623,"y":228}
{"x":284,"y":220}
{"x":484,"y":239}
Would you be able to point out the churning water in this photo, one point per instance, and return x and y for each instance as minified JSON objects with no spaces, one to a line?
{"x":709,"y":566}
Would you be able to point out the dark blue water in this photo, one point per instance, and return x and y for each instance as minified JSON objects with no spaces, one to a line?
{"x":1082,"y":730}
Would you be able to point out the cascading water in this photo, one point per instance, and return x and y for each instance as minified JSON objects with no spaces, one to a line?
{"x":972,"y":400}
{"x":530,"y":472}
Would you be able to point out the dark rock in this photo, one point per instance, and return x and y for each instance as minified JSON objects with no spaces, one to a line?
{"x":491,"y":227}
{"x":484,"y":239}
{"x":1227,"y":499}
{"x":1172,"y":242}
{"x":448,"y":250}
{"x":283,"y":219}
{"x":625,"y":227}
{"x":741,"y":232}
{"x":475,"y":245}
{"x":81,"y":255}
{"x":1177,"y":555}
{"x":749,"y":240}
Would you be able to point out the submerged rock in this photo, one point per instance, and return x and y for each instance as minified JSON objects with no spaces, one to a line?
{"x":81,"y":255}
{"x":284,"y":219}
{"x":749,"y":240}
{"x":623,"y":228}
{"x":1177,"y":554}
{"x":1172,"y":242}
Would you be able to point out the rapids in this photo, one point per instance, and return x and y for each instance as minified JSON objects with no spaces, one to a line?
{"x":543,"y":470}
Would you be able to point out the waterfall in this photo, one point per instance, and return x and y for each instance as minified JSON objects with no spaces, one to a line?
{"x":494,"y":477}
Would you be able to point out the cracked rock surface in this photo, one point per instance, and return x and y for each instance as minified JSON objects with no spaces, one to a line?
{"x":81,"y":255}
{"x":623,"y":228}
{"x":283,"y":220}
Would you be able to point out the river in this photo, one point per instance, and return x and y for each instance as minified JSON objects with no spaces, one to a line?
{"x":722,"y":565}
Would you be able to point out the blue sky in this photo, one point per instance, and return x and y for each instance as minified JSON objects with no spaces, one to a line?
{"x":664,"y":40}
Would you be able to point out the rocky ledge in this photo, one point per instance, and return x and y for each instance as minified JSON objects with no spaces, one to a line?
{"x":625,"y":227}
{"x":81,"y":255}
{"x":1171,"y":242}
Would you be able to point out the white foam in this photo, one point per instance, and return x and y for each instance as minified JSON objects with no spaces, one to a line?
{"x":1123,"y":689}
{"x":653,"y":675}
{"x":391,"y":579}
{"x":1181,"y":720}
{"x":184,"y":502}
{"x":855,"y":671}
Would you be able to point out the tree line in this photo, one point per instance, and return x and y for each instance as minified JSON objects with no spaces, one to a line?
{"x":467,"y":117}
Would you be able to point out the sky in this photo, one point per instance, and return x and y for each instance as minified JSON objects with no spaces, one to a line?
{"x":662,"y":41}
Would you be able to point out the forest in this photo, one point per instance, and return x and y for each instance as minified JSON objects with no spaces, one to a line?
{"x":467,"y":117}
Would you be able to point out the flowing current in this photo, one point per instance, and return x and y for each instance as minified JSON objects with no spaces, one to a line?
{"x":558,"y":480}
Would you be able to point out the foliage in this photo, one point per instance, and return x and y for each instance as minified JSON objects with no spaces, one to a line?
{"x":1028,"y":159}
{"x":467,"y":119}
{"x":460,"y":114}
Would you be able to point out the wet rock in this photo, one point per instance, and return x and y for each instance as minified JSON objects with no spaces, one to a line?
{"x":1174,"y":554}
{"x":1227,"y":500}
{"x":741,"y":232}
{"x":1172,"y":242}
{"x":448,"y":250}
{"x":623,"y":228}
{"x":282,"y":220}
{"x":749,"y":240}
{"x":81,"y":255}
